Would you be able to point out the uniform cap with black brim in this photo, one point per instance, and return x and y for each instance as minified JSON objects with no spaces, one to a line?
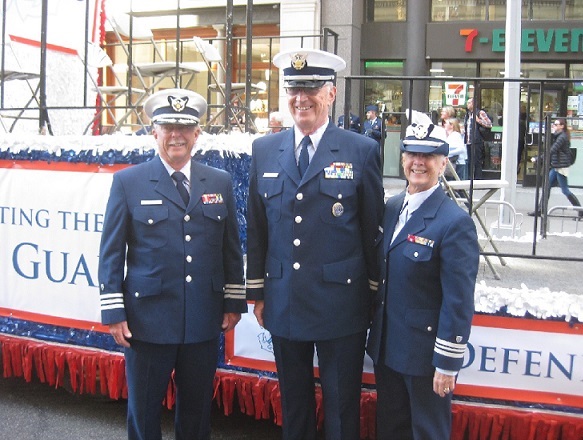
{"x":308,"y":68}
{"x":422,"y":136}
{"x":175,"y":106}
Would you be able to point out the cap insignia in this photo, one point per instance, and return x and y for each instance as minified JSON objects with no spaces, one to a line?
{"x":178,"y":104}
{"x":298,"y":61}
{"x":421,"y":131}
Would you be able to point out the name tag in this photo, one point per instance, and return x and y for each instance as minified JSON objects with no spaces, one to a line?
{"x":151,"y":202}
{"x":270,"y":174}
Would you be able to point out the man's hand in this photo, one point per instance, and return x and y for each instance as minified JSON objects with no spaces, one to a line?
{"x":121,"y":333}
{"x":230,"y":320}
{"x":443,"y":384}
{"x":258,"y":311}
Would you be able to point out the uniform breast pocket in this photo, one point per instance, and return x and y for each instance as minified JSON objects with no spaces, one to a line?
{"x":215,"y":216}
{"x":151,"y":225}
{"x":340,"y":202}
{"x":418,"y":253}
{"x":270,"y":190}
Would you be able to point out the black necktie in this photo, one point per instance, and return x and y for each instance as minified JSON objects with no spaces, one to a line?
{"x":304,"y":159}
{"x":404,"y":212}
{"x":179,"y":178}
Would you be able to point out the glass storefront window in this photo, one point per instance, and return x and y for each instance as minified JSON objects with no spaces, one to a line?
{"x":574,"y":10}
{"x":458,"y":10}
{"x":495,"y":10}
{"x":387,"y":94}
{"x":444,"y":73}
{"x":386,"y":10}
{"x":575,"y":94}
{"x":543,"y":10}
{"x":542,"y":70}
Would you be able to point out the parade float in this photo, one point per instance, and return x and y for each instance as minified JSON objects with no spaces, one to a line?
{"x":523,"y":372}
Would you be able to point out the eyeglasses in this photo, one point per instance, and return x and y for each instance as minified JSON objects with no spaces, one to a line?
{"x":557,"y":123}
{"x":310,"y":91}
{"x":168,"y":128}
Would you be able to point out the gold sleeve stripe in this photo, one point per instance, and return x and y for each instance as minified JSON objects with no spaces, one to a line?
{"x":256,"y":284}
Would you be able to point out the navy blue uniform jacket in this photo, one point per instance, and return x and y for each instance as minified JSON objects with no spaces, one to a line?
{"x":184,"y":264}
{"x":425,"y":301}
{"x":373,"y":129}
{"x":310,"y":241}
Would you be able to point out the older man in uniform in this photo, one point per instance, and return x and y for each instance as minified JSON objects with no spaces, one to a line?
{"x":171,"y":271}
{"x":314,"y":208}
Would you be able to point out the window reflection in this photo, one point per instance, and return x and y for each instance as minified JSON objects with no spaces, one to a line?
{"x":495,"y":10}
{"x":387,"y":94}
{"x":386,"y":10}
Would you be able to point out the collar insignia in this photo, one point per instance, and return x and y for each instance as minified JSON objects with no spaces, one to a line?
{"x":298,"y":61}
{"x":178,"y":104}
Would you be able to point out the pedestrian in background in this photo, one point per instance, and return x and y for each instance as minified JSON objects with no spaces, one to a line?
{"x":171,"y":271}
{"x":447,"y":112}
{"x":354,"y":122}
{"x":475,"y":130}
{"x":424,"y":307}
{"x":275,"y":123}
{"x":458,"y":153}
{"x":373,"y":126}
{"x":314,"y":209}
{"x":561,"y":160}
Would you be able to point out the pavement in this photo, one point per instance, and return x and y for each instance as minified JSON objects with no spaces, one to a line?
{"x":36,"y":411}
{"x":31,"y":411}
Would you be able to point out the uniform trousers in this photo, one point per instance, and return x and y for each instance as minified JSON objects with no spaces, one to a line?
{"x":148,"y":370}
{"x":340,"y":369}
{"x":407,"y":407}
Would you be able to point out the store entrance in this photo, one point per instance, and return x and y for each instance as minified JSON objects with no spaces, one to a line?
{"x":535,"y":106}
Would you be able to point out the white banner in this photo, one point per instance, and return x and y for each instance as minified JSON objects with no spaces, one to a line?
{"x":254,"y":342}
{"x":521,"y":363}
{"x":50,"y":241}
{"x":65,"y":21}
{"x":521,"y":359}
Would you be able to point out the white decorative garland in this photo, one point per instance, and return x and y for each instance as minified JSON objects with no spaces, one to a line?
{"x":234,"y":143}
{"x":541,"y":303}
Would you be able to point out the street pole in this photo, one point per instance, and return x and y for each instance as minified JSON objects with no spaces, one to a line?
{"x":511,"y":107}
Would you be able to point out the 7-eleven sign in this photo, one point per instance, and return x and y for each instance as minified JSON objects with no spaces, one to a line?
{"x":455,"y":93}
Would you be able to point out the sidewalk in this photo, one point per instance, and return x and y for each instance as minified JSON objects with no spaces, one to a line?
{"x":36,"y":411}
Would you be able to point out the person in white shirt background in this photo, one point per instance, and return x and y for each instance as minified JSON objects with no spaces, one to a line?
{"x":458,"y":153}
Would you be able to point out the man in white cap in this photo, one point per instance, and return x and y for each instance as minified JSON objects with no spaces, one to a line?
{"x":314,"y":209}
{"x":424,"y":307}
{"x":173,"y":223}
